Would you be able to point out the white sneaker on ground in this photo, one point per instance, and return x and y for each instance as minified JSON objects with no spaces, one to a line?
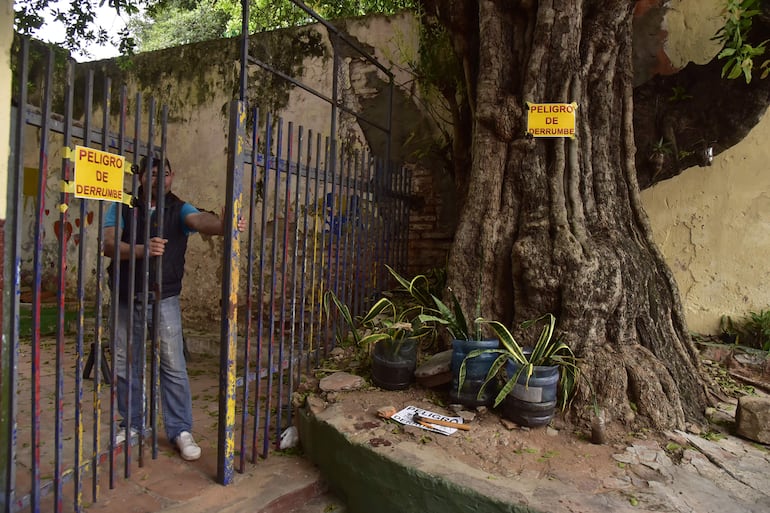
{"x":120,"y":436}
{"x":187,"y":446}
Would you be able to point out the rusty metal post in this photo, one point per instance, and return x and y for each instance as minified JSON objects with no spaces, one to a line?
{"x":230,"y":261}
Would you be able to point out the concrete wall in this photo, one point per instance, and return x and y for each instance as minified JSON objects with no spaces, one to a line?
{"x":709,"y":222}
{"x":198,"y":82}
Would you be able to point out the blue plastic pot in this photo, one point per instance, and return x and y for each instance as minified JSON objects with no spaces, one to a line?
{"x":476,"y":370}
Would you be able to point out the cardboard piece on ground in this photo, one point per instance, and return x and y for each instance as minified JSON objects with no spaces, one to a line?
{"x":405,"y":417}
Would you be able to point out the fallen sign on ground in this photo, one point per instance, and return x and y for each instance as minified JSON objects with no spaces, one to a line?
{"x":406,"y":417}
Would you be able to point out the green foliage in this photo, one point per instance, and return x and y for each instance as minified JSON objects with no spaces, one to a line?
{"x":167,"y":23}
{"x":451,"y":317}
{"x":178,"y":25}
{"x":661,"y":147}
{"x":79,"y":20}
{"x":678,"y":94}
{"x":756,"y":326}
{"x":173,"y":22}
{"x":739,"y":53}
{"x":549,"y":349}
{"x":386,"y":320}
{"x":753,"y":330}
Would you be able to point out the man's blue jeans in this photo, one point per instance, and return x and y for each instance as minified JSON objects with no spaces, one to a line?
{"x":176,"y":399}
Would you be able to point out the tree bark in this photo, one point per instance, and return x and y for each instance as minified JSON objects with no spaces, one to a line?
{"x":556,"y":225}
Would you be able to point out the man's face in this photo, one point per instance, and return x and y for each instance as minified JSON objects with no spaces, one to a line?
{"x":169,"y":175}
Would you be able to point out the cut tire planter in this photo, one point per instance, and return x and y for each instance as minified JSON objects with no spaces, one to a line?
{"x":532,"y":404}
{"x":393,"y":364}
{"x":476,"y":370}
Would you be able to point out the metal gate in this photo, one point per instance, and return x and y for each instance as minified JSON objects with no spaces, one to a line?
{"x":344,"y":214}
{"x":350,"y":205}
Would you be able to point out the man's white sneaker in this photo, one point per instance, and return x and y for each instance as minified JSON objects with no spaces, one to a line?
{"x":120,"y":436}
{"x":187,"y":446}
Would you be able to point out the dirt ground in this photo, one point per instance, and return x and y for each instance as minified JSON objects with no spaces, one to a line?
{"x":492,"y":444}
{"x":503,"y":448}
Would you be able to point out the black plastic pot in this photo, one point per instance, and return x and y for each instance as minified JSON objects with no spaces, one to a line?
{"x":532,"y":402}
{"x":393,"y":363}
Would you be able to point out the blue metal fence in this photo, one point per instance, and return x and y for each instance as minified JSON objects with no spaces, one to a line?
{"x":322,"y":216}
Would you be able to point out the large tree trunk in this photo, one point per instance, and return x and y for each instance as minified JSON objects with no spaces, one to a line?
{"x":556,"y":225}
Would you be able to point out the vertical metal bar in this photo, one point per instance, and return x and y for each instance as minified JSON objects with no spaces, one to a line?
{"x":295,"y":317}
{"x":333,"y":222}
{"x":389,"y":139}
{"x":391,"y":215}
{"x":303,"y":268}
{"x":157,"y":281}
{"x":347,"y":261}
{"x":260,"y":292}
{"x":317,"y":219}
{"x":36,"y":296}
{"x":262,"y":265}
{"x":356,"y":230}
{"x":407,"y":212}
{"x":9,"y":345}
{"x":147,"y":262}
{"x":249,"y":297}
{"x":96,"y":345}
{"x":369,"y":239}
{"x":401,"y":214}
{"x":381,"y":210}
{"x":395,"y":185}
{"x":130,"y":338}
{"x":338,"y":247}
{"x":80,"y":298}
{"x":284,"y":274}
{"x":323,"y":271}
{"x":61,"y":273}
{"x":230,"y":261}
{"x":273,"y":284}
{"x":114,"y":297}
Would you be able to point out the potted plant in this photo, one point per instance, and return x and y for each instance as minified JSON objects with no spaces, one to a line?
{"x":389,"y":331}
{"x":465,"y":339}
{"x":536,"y":378}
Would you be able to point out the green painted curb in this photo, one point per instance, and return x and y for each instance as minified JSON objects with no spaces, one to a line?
{"x":372,"y":482}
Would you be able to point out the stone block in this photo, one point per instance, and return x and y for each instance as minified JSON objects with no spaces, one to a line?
{"x":752,"y":418}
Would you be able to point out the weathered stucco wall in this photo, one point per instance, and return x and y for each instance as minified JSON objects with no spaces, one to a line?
{"x":712,"y":223}
{"x":198,"y":82}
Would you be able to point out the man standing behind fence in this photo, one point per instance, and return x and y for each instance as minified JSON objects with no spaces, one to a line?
{"x":180,"y":219}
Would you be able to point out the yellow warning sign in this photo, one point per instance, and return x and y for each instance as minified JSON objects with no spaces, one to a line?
{"x":98,"y":174}
{"x":551,"y":119}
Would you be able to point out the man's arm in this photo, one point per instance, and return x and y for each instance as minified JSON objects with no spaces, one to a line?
{"x":209,"y":223}
{"x":157,"y":246}
{"x":205,"y":223}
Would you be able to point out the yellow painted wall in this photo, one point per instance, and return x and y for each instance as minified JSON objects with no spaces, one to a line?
{"x":713,"y":223}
